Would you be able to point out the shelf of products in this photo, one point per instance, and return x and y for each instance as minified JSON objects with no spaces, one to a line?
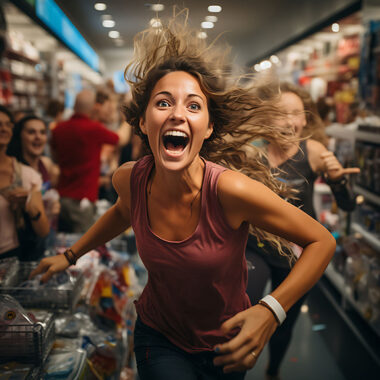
{"x":369,"y":237}
{"x":355,"y":268}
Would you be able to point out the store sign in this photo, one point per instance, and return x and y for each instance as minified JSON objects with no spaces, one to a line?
{"x":55,"y":19}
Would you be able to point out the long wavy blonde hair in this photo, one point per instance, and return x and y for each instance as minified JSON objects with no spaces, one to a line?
{"x":238,"y":113}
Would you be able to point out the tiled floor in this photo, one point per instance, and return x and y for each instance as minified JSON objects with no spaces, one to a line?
{"x":308,"y":357}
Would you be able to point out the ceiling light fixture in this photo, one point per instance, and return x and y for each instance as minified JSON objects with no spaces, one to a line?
{"x":335,"y":27}
{"x":100,"y":6}
{"x":265,"y":65}
{"x":207,"y":25}
{"x":113,"y":34}
{"x":108,"y":23}
{"x":274,"y":59}
{"x":214,"y":8}
{"x":157,"y":7}
{"x":211,"y":18}
{"x":202,"y":35}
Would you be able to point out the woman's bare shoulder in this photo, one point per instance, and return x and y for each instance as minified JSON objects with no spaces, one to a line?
{"x":315,"y":149}
{"x":121,"y":177}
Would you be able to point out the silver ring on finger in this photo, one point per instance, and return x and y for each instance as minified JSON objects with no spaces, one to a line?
{"x":253,"y":353}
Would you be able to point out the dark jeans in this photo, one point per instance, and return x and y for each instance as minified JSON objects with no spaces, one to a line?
{"x":258,"y":276}
{"x":159,"y":359}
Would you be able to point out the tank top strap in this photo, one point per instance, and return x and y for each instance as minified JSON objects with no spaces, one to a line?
{"x":138,"y":183}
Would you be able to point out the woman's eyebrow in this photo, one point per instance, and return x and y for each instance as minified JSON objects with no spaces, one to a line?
{"x":167,"y":93}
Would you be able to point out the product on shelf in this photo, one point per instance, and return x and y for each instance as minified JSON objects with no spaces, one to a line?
{"x":362,"y":278}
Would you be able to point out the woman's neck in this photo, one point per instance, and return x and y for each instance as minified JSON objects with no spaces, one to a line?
{"x":278,"y":155}
{"x":4,"y":159}
{"x":3,"y":154}
{"x":178,"y":184}
{"x":32,"y":160}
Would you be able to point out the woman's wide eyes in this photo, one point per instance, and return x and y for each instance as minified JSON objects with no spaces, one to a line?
{"x":163,"y":103}
{"x":192,"y":106}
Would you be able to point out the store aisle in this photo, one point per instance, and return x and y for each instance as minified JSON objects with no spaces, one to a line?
{"x":307,"y":358}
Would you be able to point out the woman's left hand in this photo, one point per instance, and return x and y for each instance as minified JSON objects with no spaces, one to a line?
{"x":17,"y":197}
{"x":257,"y":324}
{"x":335,"y":171}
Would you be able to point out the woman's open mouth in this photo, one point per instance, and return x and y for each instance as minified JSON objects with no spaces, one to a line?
{"x":175,"y":141}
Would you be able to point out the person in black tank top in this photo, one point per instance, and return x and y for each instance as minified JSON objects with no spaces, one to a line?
{"x":298,"y":167}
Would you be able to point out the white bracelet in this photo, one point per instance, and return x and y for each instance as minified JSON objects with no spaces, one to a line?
{"x":275,"y":307}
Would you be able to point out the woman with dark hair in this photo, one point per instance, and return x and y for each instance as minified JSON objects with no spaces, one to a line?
{"x":191,"y":207}
{"x":27,"y":145}
{"x":22,"y":211}
{"x":298,"y":164}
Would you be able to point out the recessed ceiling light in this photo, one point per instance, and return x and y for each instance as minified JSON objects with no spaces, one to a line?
{"x":108,"y":23}
{"x":265,"y":65}
{"x":155,"y":23}
{"x":207,"y":25}
{"x":100,"y":6}
{"x":202,"y":35}
{"x":257,"y":67}
{"x":157,"y":7}
{"x":214,"y":8}
{"x":113,"y":34}
{"x":335,"y":27}
{"x":274,"y":59}
{"x":211,"y":18}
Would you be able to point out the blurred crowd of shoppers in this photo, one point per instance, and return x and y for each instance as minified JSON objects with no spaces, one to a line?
{"x":53,"y":170}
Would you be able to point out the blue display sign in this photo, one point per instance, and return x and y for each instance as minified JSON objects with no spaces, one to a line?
{"x":55,"y":19}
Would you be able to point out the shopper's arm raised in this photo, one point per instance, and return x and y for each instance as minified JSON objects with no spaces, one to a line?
{"x":246,"y":200}
{"x":111,"y":224}
{"x":324,"y":162}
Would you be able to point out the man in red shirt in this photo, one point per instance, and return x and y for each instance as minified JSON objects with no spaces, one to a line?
{"x":77,"y":144}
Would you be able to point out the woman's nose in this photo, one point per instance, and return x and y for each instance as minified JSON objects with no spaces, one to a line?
{"x":178,"y":113}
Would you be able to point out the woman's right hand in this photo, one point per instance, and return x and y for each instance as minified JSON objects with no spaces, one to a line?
{"x":49,"y":266}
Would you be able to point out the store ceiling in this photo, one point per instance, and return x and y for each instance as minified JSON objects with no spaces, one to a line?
{"x":252,"y":27}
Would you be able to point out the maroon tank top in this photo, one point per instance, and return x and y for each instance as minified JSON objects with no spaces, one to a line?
{"x":196,"y":284}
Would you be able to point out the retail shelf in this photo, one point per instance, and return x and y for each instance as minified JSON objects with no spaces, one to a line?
{"x":338,"y":281}
{"x":370,"y":238}
{"x":368,"y":136}
{"x":372,"y":197}
{"x":341,"y":131}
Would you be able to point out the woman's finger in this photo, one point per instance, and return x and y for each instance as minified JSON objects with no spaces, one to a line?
{"x":227,"y":326}
{"x":237,"y":355}
{"x":41,"y":268}
{"x":327,"y":153}
{"x":48,"y":274}
{"x":351,"y":170}
{"x":247,"y":362}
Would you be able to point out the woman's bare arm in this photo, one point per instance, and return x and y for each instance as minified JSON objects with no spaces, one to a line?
{"x":111,"y":224}
{"x":246,"y":200}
